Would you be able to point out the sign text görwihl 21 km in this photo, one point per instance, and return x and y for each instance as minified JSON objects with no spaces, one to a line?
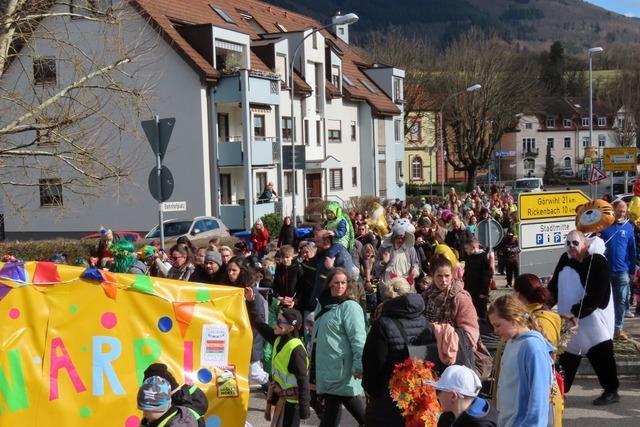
{"x":546,"y":204}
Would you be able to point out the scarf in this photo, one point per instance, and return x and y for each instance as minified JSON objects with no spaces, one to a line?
{"x":440,"y":305}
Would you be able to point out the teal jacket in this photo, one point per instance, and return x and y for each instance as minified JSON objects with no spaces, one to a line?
{"x":340,"y":335}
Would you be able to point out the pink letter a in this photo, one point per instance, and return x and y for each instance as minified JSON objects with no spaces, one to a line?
{"x":59,"y":362}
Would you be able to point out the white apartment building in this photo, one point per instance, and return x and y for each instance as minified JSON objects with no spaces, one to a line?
{"x":562,"y":127}
{"x":221,"y":68}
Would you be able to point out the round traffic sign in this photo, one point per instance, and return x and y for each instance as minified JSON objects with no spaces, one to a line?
{"x":489,"y":233}
{"x":162,"y":193}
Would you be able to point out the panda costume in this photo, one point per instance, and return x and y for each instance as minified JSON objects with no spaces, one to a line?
{"x":582,"y":288}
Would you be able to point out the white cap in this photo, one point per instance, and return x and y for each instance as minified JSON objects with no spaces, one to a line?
{"x":458,"y":379}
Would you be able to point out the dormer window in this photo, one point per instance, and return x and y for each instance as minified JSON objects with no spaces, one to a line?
{"x":585,"y":121}
{"x":551,"y":123}
{"x":281,"y":27}
{"x":246,"y":17}
{"x":398,"y":96}
{"x":229,"y":56}
{"x":567,"y":123}
{"x":335,"y":76}
{"x":602,"y":121}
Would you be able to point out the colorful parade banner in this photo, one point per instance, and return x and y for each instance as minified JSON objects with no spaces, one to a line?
{"x":73,"y":352}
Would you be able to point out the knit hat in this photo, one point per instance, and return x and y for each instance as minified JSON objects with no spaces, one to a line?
{"x":424,"y":222}
{"x":161,"y":370}
{"x":458,"y":379}
{"x":154,"y":395}
{"x":213,"y":256}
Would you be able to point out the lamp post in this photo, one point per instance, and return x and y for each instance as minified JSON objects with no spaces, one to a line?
{"x":473,"y":88}
{"x":593,"y":51}
{"x":348,"y":19}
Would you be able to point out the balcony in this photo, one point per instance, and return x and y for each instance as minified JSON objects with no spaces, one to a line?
{"x":264,"y":151}
{"x":531,"y":152}
{"x":263,"y":88}
{"x":233,"y":215}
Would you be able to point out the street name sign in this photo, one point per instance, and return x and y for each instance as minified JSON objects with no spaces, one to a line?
{"x":174,"y":206}
{"x":547,"y":204}
{"x":536,"y":235}
{"x":620,"y":159}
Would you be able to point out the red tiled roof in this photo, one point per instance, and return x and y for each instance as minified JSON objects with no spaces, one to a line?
{"x":161,"y":21}
{"x":200,"y":12}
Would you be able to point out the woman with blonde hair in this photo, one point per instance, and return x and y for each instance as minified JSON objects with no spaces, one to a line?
{"x":259,"y":238}
{"x":526,"y":373}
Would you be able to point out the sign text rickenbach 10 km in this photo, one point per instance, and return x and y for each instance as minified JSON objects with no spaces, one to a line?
{"x":556,"y":204}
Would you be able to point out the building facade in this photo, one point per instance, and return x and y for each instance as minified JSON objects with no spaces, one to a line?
{"x":222,"y":69}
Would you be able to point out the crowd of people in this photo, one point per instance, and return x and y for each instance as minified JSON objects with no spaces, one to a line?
{"x":333,"y":312}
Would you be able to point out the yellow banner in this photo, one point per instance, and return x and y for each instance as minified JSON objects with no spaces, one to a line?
{"x":73,"y":350}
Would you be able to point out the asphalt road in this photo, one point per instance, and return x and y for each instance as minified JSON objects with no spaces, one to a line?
{"x":579,"y":411}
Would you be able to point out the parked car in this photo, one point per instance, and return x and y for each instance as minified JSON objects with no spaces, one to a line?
{"x":132,"y":236}
{"x":618,"y":182}
{"x":625,"y":197}
{"x":198,"y":230}
{"x":565,"y":173}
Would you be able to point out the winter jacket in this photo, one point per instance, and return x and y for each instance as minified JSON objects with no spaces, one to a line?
{"x":621,"y":248}
{"x":339,"y":333}
{"x":192,"y":397}
{"x":384,"y":348}
{"x":259,"y":239}
{"x":287,"y":235}
{"x":258,"y":313}
{"x":306,"y":300}
{"x":200,"y":275}
{"x":477,"y":274}
{"x":181,"y":273}
{"x":286,"y":279}
{"x":525,"y":381}
{"x":479,"y":414}
{"x":342,"y":259}
{"x":455,"y":240}
{"x":176,"y":416}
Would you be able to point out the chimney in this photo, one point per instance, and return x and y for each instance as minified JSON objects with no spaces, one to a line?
{"x":341,"y":31}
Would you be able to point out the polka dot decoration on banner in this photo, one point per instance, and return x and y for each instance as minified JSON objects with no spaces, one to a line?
{"x":204,"y":376}
{"x":73,"y":309}
{"x":132,"y":421}
{"x":109,"y":320}
{"x":165,"y":324}
{"x":85,"y":412}
{"x":84,"y":348}
{"x":14,"y":313}
{"x":37,"y":360}
{"x":213,"y":421}
{"x":203,"y":295}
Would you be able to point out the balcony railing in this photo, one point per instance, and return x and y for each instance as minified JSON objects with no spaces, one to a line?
{"x":262,"y":89}
{"x":264,"y":151}
{"x":233,"y":215}
{"x":531,"y":152}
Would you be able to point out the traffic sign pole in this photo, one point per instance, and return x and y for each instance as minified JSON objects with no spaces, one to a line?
{"x":159,"y":180}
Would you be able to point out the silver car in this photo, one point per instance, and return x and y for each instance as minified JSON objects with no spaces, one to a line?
{"x":198,"y":230}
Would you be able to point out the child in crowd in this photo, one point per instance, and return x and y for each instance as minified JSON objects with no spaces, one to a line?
{"x":287,"y":276}
{"x":289,"y":390}
{"x":154,"y":400}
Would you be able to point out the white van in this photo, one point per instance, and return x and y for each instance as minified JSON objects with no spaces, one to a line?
{"x":527,"y":185}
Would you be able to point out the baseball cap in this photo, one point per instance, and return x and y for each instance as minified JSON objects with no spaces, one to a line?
{"x":154,"y":395}
{"x":458,"y":379}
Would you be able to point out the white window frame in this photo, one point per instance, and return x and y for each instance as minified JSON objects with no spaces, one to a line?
{"x":335,"y":179}
{"x":602,"y":121}
{"x":417,"y":165}
{"x":551,"y":123}
{"x":567,"y":139}
{"x":567,"y":123}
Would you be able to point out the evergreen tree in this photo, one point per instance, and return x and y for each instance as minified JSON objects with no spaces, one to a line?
{"x":552,"y":69}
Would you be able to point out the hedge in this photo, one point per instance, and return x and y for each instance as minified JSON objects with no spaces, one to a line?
{"x":36,"y":250}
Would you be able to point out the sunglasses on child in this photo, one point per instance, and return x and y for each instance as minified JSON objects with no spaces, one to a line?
{"x":575,"y":243}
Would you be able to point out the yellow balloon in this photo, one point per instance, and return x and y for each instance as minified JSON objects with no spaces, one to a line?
{"x":447,"y":252}
{"x":634,"y":209}
{"x":378,"y":222}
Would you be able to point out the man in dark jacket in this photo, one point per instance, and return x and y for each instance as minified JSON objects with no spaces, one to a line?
{"x":384,"y":348}
{"x":211,"y":271}
{"x":477,"y":275}
{"x":457,"y":391}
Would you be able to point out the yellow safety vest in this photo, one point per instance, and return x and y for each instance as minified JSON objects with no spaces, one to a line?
{"x":280,"y":365}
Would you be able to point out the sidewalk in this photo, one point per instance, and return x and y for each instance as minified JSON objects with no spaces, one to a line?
{"x":627,"y":351}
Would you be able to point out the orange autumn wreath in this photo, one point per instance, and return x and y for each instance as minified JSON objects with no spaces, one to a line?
{"x":416,"y":400}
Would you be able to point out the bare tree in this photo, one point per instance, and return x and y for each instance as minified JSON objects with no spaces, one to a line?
{"x":475,"y":122}
{"x":416,"y":56}
{"x":70,"y":96}
{"x":622,"y":97}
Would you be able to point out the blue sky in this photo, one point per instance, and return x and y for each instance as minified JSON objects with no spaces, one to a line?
{"x":624,"y":7}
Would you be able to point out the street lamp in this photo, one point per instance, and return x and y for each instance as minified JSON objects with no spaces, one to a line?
{"x":473,"y":88}
{"x":348,"y":19}
{"x":592,"y":51}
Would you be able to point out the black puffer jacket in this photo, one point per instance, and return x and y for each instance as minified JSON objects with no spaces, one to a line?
{"x":385,"y":347}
